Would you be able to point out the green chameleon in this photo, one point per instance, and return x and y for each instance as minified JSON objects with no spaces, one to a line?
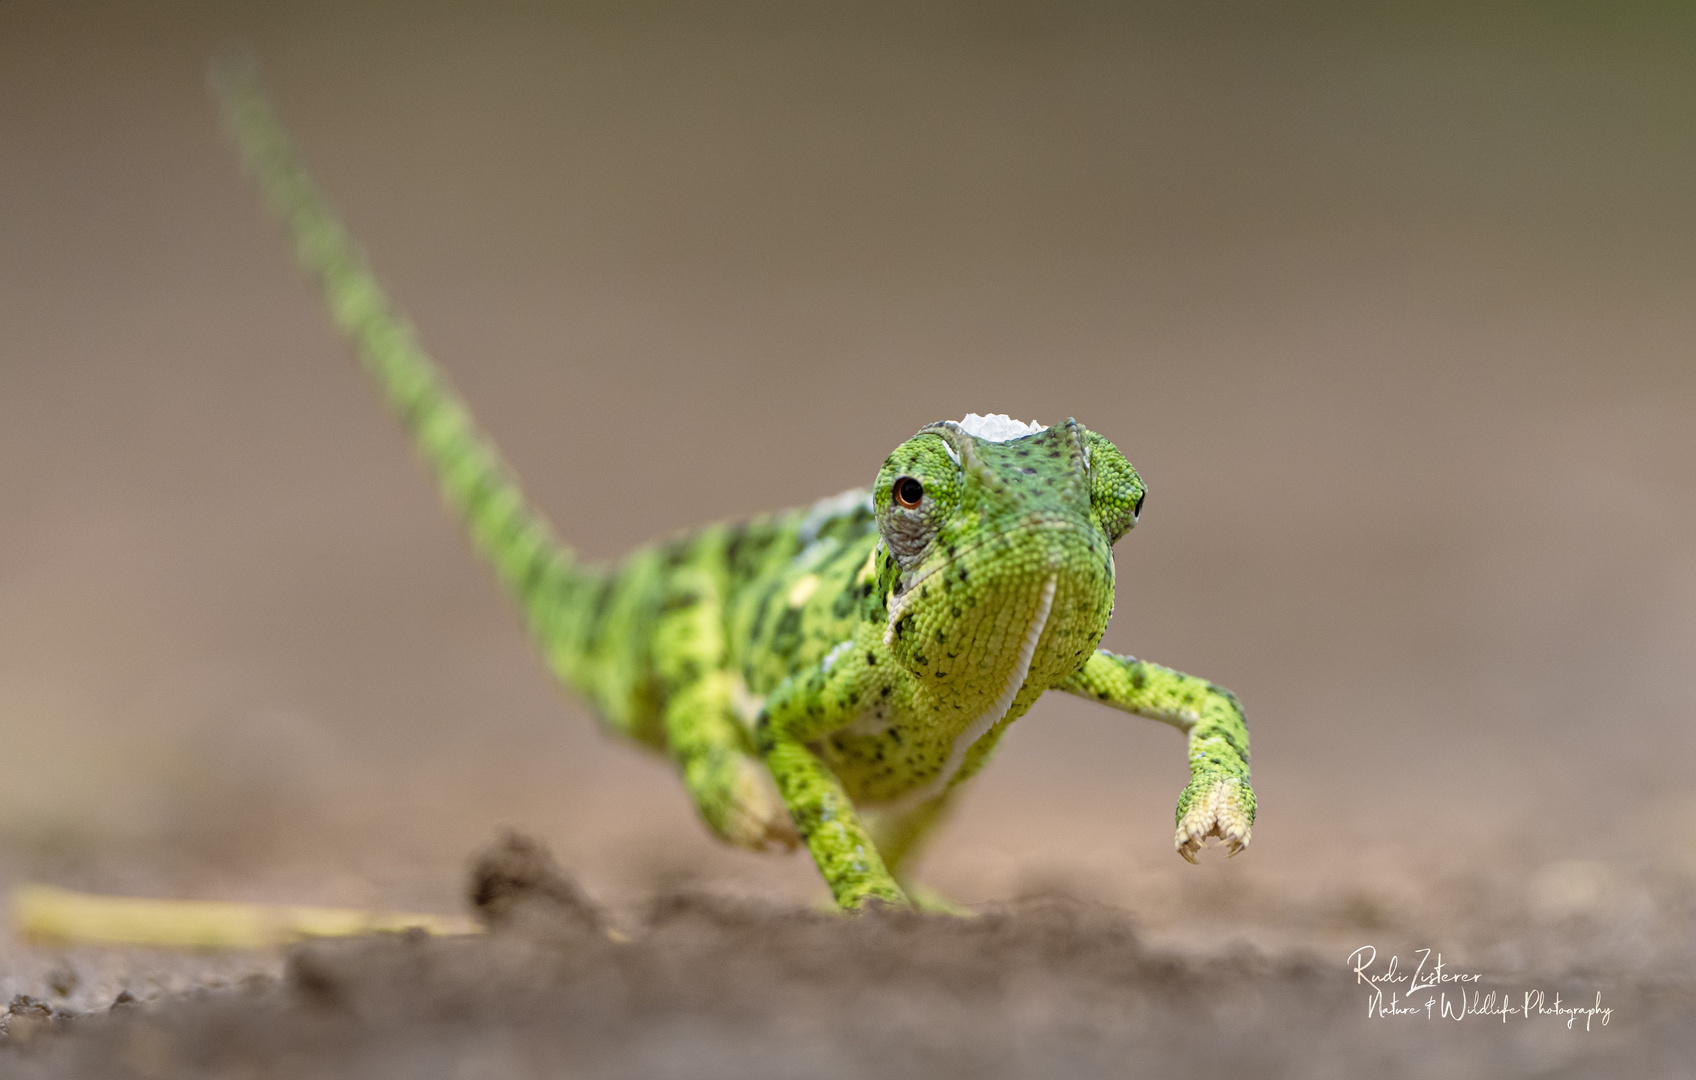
{"x":830,"y":675}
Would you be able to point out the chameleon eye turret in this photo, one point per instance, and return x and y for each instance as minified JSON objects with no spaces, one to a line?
{"x":1116,"y":491}
{"x":863,"y":654}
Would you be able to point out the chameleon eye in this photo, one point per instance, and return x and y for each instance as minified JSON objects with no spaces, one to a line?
{"x":908,"y":492}
{"x":1136,"y":511}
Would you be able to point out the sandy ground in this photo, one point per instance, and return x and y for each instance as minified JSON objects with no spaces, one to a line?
{"x":703,"y":985}
{"x":1392,"y":313}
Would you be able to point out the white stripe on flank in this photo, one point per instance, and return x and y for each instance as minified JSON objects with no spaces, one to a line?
{"x":991,"y":716}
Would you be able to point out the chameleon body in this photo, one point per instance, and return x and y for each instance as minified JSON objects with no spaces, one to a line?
{"x":828,"y":675}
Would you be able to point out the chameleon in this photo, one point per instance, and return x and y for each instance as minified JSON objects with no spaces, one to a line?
{"x":828,"y":676}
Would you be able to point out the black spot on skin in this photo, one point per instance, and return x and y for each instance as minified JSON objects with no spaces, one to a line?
{"x":763,"y":610}
{"x":1231,"y":741}
{"x":919,"y":659}
{"x":1139,"y":678}
{"x":871,"y":660}
{"x":1024,"y":453}
{"x":678,"y":554}
{"x":786,"y":637}
{"x":884,"y":692}
{"x":1103,"y":695}
{"x":1028,"y":471}
{"x":1227,"y":695}
{"x":680,"y":601}
{"x":534,"y":567}
{"x":844,"y":604}
{"x":598,"y":609}
{"x":955,"y":611}
{"x":950,"y":551}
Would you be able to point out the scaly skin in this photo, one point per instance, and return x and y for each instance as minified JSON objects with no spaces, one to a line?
{"x":829,"y":675}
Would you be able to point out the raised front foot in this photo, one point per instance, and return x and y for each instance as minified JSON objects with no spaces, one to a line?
{"x":1221,"y":807}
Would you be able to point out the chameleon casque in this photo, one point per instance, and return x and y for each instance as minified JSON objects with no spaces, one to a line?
{"x":829,"y":675}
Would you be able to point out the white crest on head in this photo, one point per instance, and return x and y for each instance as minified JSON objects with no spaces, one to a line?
{"x":999,"y":427}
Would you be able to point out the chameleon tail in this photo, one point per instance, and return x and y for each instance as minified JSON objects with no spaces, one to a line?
{"x":540,"y":572}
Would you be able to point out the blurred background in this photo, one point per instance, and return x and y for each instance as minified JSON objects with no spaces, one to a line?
{"x":1392,"y":309}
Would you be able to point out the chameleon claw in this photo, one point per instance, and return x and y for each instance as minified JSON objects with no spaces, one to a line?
{"x":1223,"y":813}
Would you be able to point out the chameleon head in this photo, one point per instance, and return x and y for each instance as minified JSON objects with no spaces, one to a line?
{"x":998,"y":540}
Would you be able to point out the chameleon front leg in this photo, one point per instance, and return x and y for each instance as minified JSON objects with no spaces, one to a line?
{"x":806,"y":707}
{"x":1218,"y":801}
{"x":712,"y":748}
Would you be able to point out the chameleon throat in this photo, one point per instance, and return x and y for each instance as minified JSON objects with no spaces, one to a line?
{"x":976,"y":730}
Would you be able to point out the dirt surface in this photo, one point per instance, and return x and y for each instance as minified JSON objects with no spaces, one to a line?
{"x":702,"y":986}
{"x":1389,"y":304}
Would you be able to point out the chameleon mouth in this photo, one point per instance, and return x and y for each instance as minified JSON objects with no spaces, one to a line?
{"x":997,"y":709}
{"x":898,"y":607}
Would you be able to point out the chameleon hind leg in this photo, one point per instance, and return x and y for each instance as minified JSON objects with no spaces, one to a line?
{"x":714,"y":752}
